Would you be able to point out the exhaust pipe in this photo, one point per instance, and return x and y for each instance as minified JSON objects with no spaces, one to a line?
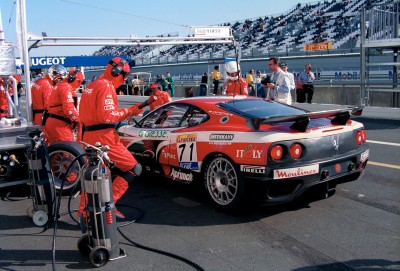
{"x":351,"y":167}
{"x":324,"y":174}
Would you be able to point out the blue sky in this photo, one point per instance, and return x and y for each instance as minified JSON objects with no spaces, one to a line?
{"x":122,"y":18}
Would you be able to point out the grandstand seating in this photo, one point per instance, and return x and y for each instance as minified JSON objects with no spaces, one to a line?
{"x":330,"y":20}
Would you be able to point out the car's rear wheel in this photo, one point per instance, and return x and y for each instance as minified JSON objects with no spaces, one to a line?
{"x":224,"y":183}
{"x":62,"y":154}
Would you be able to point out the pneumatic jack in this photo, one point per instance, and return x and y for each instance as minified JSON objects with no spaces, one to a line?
{"x":98,"y":222}
{"x":41,"y":179}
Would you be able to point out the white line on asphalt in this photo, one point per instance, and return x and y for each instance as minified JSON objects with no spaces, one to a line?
{"x":383,"y":143}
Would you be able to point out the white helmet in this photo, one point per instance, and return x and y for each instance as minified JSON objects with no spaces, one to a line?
{"x":231,"y":69}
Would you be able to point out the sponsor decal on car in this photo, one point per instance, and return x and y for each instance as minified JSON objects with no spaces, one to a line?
{"x":222,"y":136}
{"x":218,"y":113}
{"x":168,"y":155}
{"x":186,"y":138}
{"x":189,"y":165}
{"x":153,"y":133}
{"x":249,"y":152}
{"x":175,"y":174}
{"x":252,"y":169}
{"x":364,"y":156}
{"x":296,"y":172}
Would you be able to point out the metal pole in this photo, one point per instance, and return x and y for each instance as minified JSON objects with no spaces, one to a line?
{"x":362,"y":59}
{"x":25,"y":55}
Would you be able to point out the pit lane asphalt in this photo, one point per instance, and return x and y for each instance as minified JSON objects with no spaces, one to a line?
{"x":358,"y":228}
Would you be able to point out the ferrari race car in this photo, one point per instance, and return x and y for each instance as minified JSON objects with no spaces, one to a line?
{"x":246,"y":145}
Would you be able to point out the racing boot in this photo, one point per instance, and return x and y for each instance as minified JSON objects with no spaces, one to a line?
{"x":119,"y":187}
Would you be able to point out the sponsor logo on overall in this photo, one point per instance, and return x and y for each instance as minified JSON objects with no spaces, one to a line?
{"x":153,"y":133}
{"x":188,"y":177}
{"x":186,"y":138}
{"x":296,"y":172}
{"x":108,"y":101}
{"x":222,"y":136}
{"x":252,"y":169}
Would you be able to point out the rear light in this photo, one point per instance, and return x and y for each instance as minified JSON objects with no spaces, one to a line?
{"x":359,"y":139}
{"x":295,"y":150}
{"x":364,"y":135}
{"x":276,"y":152}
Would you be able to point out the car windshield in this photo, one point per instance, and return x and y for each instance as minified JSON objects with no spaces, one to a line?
{"x":259,"y":108}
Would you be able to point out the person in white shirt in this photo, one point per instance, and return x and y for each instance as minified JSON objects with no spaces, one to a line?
{"x":285,"y":68}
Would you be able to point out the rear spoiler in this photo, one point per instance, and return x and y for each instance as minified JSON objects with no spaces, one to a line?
{"x":339,"y":117}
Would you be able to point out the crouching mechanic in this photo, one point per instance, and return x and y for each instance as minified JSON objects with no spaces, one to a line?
{"x":157,"y":97}
{"x":98,"y":112}
{"x":62,"y":115}
{"x":236,"y":84}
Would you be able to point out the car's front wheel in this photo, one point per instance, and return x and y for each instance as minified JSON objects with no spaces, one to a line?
{"x":224,"y":183}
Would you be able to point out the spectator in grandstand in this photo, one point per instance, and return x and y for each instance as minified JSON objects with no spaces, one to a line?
{"x":94,"y":78}
{"x":170,"y":84}
{"x":285,"y":68}
{"x":216,"y":77}
{"x":204,"y":84}
{"x":136,"y":82}
{"x":250,"y":82}
{"x":235,"y":83}
{"x":280,"y":82}
{"x":306,"y":79}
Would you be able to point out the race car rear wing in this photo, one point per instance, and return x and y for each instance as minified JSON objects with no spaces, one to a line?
{"x":301,"y":122}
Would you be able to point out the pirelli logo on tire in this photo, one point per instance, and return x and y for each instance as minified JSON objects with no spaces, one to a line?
{"x":252,"y":169}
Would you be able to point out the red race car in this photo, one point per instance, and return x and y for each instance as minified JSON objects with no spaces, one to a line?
{"x":242,"y":146}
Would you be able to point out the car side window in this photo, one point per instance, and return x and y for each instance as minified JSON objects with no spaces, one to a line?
{"x":195,"y":116}
{"x":169,"y":116}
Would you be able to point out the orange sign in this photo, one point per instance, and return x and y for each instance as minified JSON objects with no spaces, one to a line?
{"x":318,"y":46}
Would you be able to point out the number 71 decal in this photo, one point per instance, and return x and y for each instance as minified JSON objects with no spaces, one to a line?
{"x":187,"y":151}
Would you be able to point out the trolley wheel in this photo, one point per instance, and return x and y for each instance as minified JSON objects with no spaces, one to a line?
{"x":85,"y":245}
{"x":99,"y":256}
{"x":40,"y":218}
{"x":61,"y":155}
{"x":30,"y":210}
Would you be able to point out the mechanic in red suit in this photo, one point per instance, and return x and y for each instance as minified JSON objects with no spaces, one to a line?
{"x":236,"y":84}
{"x":42,"y":88}
{"x":98,"y":112}
{"x":3,"y":100}
{"x":157,"y":97}
{"x":62,"y":115}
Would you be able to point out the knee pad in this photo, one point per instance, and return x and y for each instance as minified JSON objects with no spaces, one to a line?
{"x":130,"y":175}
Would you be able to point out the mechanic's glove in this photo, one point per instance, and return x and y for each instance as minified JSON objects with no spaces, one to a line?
{"x":134,"y":110}
{"x":151,"y":99}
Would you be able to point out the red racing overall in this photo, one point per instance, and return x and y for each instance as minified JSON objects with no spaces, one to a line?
{"x":41,"y":91}
{"x":62,"y":115}
{"x":98,"y":111}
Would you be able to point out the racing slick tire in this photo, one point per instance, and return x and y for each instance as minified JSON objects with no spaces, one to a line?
{"x":61,"y":155}
{"x":223,"y":182}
